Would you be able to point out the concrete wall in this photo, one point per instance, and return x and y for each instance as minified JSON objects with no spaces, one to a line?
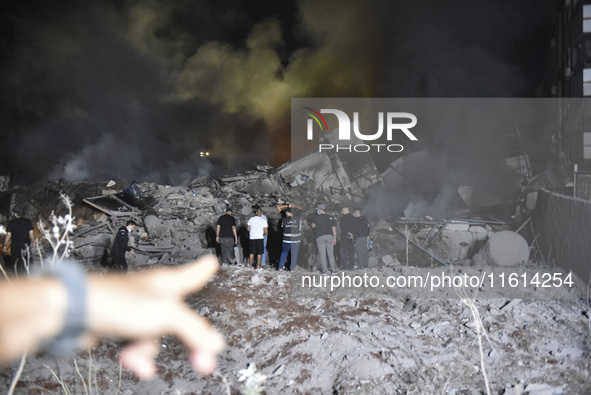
{"x":564,"y":225}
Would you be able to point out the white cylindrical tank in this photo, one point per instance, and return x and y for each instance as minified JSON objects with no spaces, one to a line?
{"x":505,"y":248}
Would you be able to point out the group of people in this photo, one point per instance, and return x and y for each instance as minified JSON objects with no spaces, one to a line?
{"x":353,"y":228}
{"x":227,"y":237}
{"x":19,"y":242}
{"x":354,"y":235}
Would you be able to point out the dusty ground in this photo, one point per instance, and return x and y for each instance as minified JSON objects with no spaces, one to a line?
{"x":366,"y":341}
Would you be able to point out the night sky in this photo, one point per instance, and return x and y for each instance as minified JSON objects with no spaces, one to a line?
{"x":136,"y":89}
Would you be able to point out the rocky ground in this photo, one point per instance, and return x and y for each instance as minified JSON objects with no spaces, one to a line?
{"x":350,"y":341}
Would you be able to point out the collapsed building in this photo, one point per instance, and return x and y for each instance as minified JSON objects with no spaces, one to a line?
{"x":177,"y":222}
{"x":370,"y":341}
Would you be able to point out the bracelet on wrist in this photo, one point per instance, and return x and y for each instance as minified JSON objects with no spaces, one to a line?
{"x":73,"y":277}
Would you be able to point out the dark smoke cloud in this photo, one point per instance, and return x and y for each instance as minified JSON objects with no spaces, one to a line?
{"x":459,"y":48}
{"x":465,"y":49}
{"x":136,"y":89}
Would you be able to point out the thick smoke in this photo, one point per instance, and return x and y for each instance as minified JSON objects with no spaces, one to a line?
{"x":136,"y":89}
{"x":475,"y":48}
{"x":465,"y":49}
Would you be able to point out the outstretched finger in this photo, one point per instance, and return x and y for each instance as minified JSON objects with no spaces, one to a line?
{"x":202,"y":340}
{"x":139,"y":358}
{"x":204,"y":362}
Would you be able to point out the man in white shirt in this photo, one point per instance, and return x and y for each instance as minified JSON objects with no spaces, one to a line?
{"x":257,"y":229}
{"x":264,"y":254}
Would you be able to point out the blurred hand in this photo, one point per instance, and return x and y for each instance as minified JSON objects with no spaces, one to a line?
{"x":144,"y":306}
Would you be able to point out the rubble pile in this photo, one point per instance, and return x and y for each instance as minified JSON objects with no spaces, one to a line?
{"x":179,"y":226}
{"x":361,"y":341}
{"x":176,"y":224}
{"x":315,"y":339}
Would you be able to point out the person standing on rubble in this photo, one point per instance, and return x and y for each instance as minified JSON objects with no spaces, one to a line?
{"x":227,"y":237}
{"x":265,"y":238}
{"x":309,"y":242}
{"x":347,"y":240}
{"x":325,"y":230}
{"x":120,"y":247}
{"x":291,"y":226}
{"x":20,"y":234}
{"x":257,"y":229}
{"x":361,"y":238}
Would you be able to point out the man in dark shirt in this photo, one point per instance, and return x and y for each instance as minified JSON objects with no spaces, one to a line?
{"x":227,"y":237}
{"x":361,"y":237}
{"x":325,"y":229}
{"x":347,"y":242}
{"x":120,"y":246}
{"x":20,"y":234}
{"x":291,"y":226}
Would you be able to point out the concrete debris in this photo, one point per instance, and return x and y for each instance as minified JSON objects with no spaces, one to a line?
{"x":372,"y":343}
{"x":457,"y":226}
{"x":177,"y":223}
{"x":388,"y":260}
{"x":179,"y":220}
{"x":337,"y":178}
{"x":155,"y":227}
{"x":176,"y":227}
{"x":517,"y":389}
{"x":278,"y":370}
{"x":543,"y":389}
{"x":373,"y":262}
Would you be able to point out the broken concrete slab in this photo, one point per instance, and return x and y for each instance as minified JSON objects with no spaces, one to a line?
{"x":387,"y":260}
{"x":260,"y":187}
{"x":373,"y":262}
{"x":457,"y":226}
{"x":137,"y":259}
{"x":111,"y":205}
{"x":155,"y":227}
